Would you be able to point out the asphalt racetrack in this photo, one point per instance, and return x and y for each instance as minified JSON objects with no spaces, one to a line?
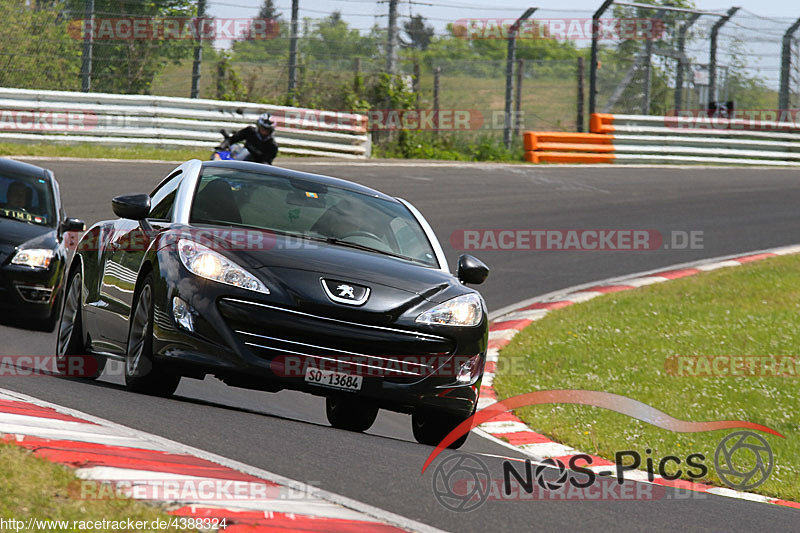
{"x":737,"y":210}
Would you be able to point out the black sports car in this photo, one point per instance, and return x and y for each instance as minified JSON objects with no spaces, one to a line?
{"x":272,"y":279}
{"x":32,"y":243}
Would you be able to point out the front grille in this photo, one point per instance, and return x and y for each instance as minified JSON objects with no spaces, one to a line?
{"x":282,"y":335}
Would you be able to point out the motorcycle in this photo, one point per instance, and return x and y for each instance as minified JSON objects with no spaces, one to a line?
{"x":223,"y":153}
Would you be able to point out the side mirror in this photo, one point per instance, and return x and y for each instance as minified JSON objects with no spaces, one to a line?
{"x":471,"y":270}
{"x":131,"y":206}
{"x":72,"y":224}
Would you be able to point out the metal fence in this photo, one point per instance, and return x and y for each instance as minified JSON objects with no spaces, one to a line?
{"x":726,"y":56}
{"x":164,"y":122}
{"x":44,"y":47}
{"x":548,"y":89}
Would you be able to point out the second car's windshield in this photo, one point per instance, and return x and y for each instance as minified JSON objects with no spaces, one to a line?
{"x":300,"y":207}
{"x":26,"y":199}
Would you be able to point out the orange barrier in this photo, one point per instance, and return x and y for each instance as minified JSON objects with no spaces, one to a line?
{"x":532,"y":139}
{"x":601,"y":123}
{"x":695,"y":138}
{"x":569,"y":147}
{"x":567,"y":157}
{"x":560,"y":147}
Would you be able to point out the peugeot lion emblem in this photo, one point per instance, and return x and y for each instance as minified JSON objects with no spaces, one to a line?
{"x":344,"y":292}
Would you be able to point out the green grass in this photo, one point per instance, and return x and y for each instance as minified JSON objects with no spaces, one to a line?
{"x":31,"y":487}
{"x":619,"y":343}
{"x":95,"y":151}
{"x":481,"y":150}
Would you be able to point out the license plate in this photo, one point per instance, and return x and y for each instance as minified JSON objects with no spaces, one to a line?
{"x":329,"y":378}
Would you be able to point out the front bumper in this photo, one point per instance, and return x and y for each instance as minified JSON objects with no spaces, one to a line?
{"x":27,"y":293}
{"x":266,"y":346}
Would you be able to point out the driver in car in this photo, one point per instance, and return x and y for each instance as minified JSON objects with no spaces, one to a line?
{"x":18,"y":196}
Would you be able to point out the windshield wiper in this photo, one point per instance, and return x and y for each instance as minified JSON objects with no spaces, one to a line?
{"x":319,"y":238}
{"x":340,"y":242}
{"x":253,"y":228}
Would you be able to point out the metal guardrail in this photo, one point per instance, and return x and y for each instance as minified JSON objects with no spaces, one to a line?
{"x":159,"y":121}
{"x":623,"y":139}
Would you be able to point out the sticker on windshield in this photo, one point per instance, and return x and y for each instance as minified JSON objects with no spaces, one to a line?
{"x":22,"y":216}
{"x":312,"y":195}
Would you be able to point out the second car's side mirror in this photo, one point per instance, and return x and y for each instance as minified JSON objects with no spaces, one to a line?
{"x":72,"y":224}
{"x":471,"y":270}
{"x":131,"y":206}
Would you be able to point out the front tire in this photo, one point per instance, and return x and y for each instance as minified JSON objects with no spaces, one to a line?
{"x":49,"y":324}
{"x":431,"y":427}
{"x":141,"y":373}
{"x":352,"y":414}
{"x":71,"y":357}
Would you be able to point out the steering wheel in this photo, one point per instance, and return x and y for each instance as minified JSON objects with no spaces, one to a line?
{"x":362,"y":233}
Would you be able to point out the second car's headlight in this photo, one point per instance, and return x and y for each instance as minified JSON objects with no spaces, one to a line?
{"x":209,"y":264}
{"x":38,"y":258}
{"x":463,"y":310}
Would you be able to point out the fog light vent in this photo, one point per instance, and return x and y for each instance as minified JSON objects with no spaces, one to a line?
{"x":37,"y":295}
{"x":182,"y":313}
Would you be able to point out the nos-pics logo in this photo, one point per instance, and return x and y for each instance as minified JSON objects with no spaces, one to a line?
{"x":463,"y":483}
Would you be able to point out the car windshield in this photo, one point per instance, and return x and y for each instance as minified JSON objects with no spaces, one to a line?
{"x":309,"y":209}
{"x":27,"y":199}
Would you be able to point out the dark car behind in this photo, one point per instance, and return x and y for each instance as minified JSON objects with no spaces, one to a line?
{"x":33,"y":253}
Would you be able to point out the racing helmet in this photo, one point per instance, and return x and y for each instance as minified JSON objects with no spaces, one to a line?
{"x":265,"y":121}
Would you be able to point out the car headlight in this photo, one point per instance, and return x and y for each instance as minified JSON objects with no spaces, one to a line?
{"x":465,"y":310}
{"x":209,"y":264}
{"x":38,"y":258}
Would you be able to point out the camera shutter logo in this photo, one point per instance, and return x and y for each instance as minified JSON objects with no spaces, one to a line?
{"x":547,"y":466}
{"x":743,"y":460}
{"x":461,"y":483}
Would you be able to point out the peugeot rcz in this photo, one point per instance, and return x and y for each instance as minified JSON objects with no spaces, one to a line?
{"x":273,"y":279}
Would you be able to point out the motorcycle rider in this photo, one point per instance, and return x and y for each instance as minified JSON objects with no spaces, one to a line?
{"x":259,"y":143}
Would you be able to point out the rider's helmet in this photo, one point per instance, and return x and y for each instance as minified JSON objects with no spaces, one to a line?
{"x":265,"y":121}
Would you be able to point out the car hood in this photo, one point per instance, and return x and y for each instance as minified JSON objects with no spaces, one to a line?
{"x":341,"y":263}
{"x":14,"y":233}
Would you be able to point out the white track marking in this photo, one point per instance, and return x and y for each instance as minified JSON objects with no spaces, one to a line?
{"x":543,"y":450}
{"x":645,"y":280}
{"x":531,"y":314}
{"x":503,"y":427}
{"x":367,"y":511}
{"x":718,"y":265}
{"x":145,"y":484}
